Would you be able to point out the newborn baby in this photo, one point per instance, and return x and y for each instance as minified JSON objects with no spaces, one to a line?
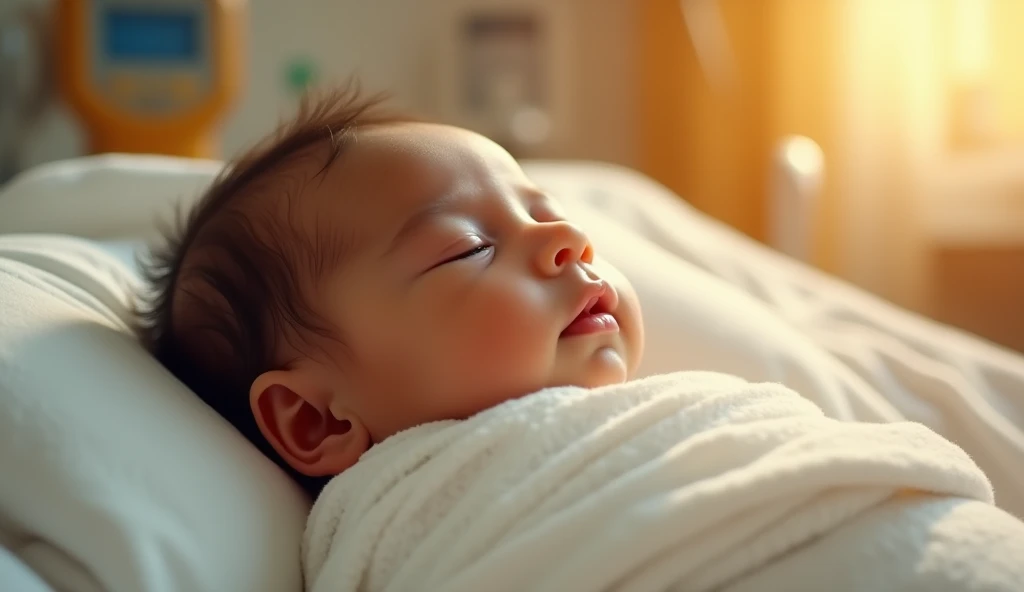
{"x":370,"y":299}
{"x":360,"y":273}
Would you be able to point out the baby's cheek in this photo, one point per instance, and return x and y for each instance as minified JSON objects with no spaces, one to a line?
{"x":633,"y":332}
{"x":508,"y":325}
{"x":628,"y":314}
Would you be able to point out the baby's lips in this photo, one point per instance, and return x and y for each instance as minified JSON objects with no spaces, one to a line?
{"x":594,"y":300}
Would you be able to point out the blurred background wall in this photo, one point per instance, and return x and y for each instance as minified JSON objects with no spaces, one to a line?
{"x":917,"y":106}
{"x":402,"y":47}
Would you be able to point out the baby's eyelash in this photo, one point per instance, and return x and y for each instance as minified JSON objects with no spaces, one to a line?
{"x":465,"y":255}
{"x":474,"y":251}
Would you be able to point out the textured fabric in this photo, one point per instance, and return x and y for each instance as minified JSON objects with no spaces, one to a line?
{"x":689,"y":479}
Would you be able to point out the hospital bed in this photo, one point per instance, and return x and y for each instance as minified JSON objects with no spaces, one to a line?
{"x":114,"y":477}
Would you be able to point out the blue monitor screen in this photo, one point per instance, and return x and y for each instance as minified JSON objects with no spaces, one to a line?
{"x":148,"y":35}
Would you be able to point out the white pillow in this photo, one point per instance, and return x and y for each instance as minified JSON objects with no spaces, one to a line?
{"x":107,"y":196}
{"x":114,"y":476}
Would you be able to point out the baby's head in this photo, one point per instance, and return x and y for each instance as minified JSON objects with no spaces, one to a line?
{"x":358,"y":274}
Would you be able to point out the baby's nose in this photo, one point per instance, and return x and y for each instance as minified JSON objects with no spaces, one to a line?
{"x":565,"y":244}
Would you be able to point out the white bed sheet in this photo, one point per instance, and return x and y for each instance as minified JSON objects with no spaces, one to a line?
{"x":968,"y":389}
{"x":855,"y":355}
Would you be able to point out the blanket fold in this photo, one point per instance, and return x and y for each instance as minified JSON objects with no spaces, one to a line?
{"x":690,"y":479}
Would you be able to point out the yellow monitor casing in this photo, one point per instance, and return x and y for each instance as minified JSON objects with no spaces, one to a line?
{"x":150,"y":76}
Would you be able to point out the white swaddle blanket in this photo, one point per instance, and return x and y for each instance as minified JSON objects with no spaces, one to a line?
{"x":692,"y":479}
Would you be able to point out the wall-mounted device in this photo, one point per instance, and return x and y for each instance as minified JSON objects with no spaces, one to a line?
{"x":150,"y":76}
{"x":505,"y":69}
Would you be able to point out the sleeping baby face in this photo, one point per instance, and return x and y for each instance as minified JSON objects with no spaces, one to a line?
{"x":461,"y":286}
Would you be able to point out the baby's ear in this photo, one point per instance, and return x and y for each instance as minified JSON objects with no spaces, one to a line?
{"x":297,"y":419}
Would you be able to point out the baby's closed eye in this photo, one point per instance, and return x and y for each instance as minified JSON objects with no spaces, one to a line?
{"x":468,"y":254}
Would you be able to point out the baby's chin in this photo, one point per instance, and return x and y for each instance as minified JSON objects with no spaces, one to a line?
{"x":604,"y":367}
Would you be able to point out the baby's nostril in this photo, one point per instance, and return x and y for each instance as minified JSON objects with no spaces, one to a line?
{"x":562,"y":256}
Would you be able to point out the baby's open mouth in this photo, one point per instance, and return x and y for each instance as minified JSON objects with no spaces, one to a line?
{"x":594,"y":317}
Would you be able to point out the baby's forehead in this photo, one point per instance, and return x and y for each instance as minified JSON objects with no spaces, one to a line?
{"x":390,"y":172}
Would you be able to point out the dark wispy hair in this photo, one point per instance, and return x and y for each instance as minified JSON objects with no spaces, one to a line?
{"x":235,"y":269}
